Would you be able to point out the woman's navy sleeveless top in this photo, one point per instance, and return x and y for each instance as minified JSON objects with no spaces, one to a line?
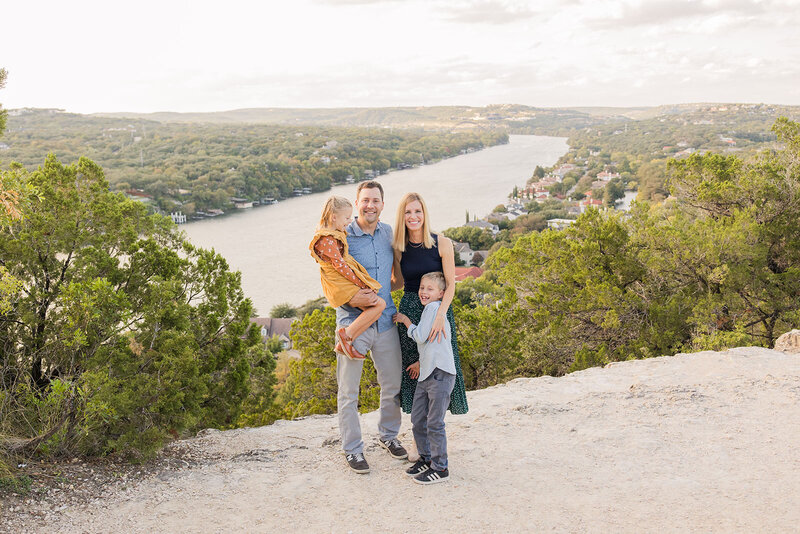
{"x":416,"y":261}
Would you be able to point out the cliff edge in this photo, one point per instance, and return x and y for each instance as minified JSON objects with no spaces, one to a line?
{"x":694,"y":442}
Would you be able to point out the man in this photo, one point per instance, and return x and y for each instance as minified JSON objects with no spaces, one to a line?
{"x":370,"y":243}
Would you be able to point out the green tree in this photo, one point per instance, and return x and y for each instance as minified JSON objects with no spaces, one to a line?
{"x":718,"y":267}
{"x":310,"y":305}
{"x":124,"y":333}
{"x":530,"y":222}
{"x":283,"y":310}
{"x":652,"y":177}
{"x":478,"y":238}
{"x":742,"y":214}
{"x":581,"y":290}
{"x":613,"y":192}
{"x":311,"y":386}
{"x":489,"y":342}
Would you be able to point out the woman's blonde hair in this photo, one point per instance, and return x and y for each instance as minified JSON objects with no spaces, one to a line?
{"x":332,"y":205}
{"x":400,"y":234}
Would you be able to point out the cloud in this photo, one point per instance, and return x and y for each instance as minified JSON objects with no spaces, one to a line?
{"x":495,"y":12}
{"x":356,"y":2}
{"x":662,"y":11}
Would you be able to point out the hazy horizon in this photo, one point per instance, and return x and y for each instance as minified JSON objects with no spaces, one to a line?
{"x":90,"y":56}
{"x":598,"y":107}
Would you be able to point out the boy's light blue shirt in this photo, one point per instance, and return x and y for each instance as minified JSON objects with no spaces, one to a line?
{"x":432,"y":354}
{"x":374,"y":252}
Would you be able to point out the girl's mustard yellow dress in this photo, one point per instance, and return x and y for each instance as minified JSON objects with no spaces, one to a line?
{"x":337,"y":287}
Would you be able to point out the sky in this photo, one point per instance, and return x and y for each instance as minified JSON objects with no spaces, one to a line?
{"x":89,"y":56}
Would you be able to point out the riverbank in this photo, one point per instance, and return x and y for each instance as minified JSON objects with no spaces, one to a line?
{"x":270,"y":246}
{"x":218,"y":214}
{"x":695,"y":442}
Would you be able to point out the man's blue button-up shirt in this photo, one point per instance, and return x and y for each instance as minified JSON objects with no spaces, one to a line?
{"x":374,"y":252}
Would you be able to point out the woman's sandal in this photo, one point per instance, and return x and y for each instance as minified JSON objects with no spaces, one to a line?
{"x":345,"y":343}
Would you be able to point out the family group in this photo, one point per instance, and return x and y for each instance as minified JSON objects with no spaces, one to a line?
{"x":414,"y":349}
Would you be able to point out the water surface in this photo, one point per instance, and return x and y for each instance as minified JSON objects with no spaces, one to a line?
{"x":269,"y":244}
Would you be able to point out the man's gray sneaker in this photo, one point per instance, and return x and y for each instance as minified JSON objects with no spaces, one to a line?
{"x":419,"y":467}
{"x":357,"y":463}
{"x":395,"y":449}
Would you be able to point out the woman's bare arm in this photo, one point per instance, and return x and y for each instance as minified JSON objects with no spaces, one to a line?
{"x":449,"y":269}
{"x":397,"y":274}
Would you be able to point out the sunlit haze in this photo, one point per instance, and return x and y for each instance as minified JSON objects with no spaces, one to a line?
{"x":93,"y":56}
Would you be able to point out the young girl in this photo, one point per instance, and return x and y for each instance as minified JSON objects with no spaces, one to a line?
{"x":342,"y":276}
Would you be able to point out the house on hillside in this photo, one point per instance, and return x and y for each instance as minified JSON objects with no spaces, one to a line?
{"x":463,"y":251}
{"x":271,"y":327}
{"x":563,"y":170}
{"x":139,"y":195}
{"x":607,"y":176}
{"x":559,"y":224}
{"x":591,"y":203}
{"x":478,"y":257}
{"x":484,"y":224}
{"x":241,"y":203}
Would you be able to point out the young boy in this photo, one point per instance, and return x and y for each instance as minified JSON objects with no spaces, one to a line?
{"x":436,"y":372}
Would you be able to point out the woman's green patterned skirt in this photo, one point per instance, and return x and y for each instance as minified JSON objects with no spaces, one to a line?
{"x":411,"y":307}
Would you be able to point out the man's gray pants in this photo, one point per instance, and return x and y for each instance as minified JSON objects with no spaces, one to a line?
{"x":385,"y":355}
{"x":431,"y":399}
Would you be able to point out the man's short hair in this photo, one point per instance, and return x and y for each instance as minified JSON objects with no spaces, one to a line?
{"x":369,"y":184}
{"x":437,"y":277}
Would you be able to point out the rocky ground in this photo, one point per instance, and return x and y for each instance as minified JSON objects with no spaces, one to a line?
{"x":698,"y":442}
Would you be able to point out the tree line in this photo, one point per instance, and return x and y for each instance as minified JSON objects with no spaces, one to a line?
{"x":640,"y":149}
{"x":196,"y":167}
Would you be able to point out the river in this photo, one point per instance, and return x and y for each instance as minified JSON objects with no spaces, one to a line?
{"x":269,"y":244}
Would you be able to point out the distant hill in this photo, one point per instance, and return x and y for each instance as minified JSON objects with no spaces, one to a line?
{"x":515,"y":118}
{"x":405,"y":116}
{"x":429,"y":118}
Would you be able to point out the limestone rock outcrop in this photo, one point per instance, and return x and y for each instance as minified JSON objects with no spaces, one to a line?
{"x":789,"y":342}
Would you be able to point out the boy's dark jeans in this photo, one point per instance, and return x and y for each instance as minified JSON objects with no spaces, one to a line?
{"x":431,"y":399}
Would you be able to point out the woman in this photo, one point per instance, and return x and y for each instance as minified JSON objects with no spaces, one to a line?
{"x":417,"y":251}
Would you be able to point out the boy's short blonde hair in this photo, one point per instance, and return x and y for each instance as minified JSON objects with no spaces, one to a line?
{"x":437,"y":277}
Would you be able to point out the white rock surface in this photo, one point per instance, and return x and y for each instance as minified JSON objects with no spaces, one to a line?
{"x":704,"y":442}
{"x":789,"y":342}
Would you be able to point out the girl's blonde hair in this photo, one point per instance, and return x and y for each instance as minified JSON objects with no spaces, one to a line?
{"x":400,"y":234}
{"x":332,"y":205}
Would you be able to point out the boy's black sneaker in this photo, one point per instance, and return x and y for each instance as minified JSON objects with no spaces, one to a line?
{"x":395,"y":449}
{"x":357,"y":463}
{"x":432,"y":476}
{"x":419,"y":467}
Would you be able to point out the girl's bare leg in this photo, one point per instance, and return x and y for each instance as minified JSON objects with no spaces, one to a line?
{"x":368,"y":316}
